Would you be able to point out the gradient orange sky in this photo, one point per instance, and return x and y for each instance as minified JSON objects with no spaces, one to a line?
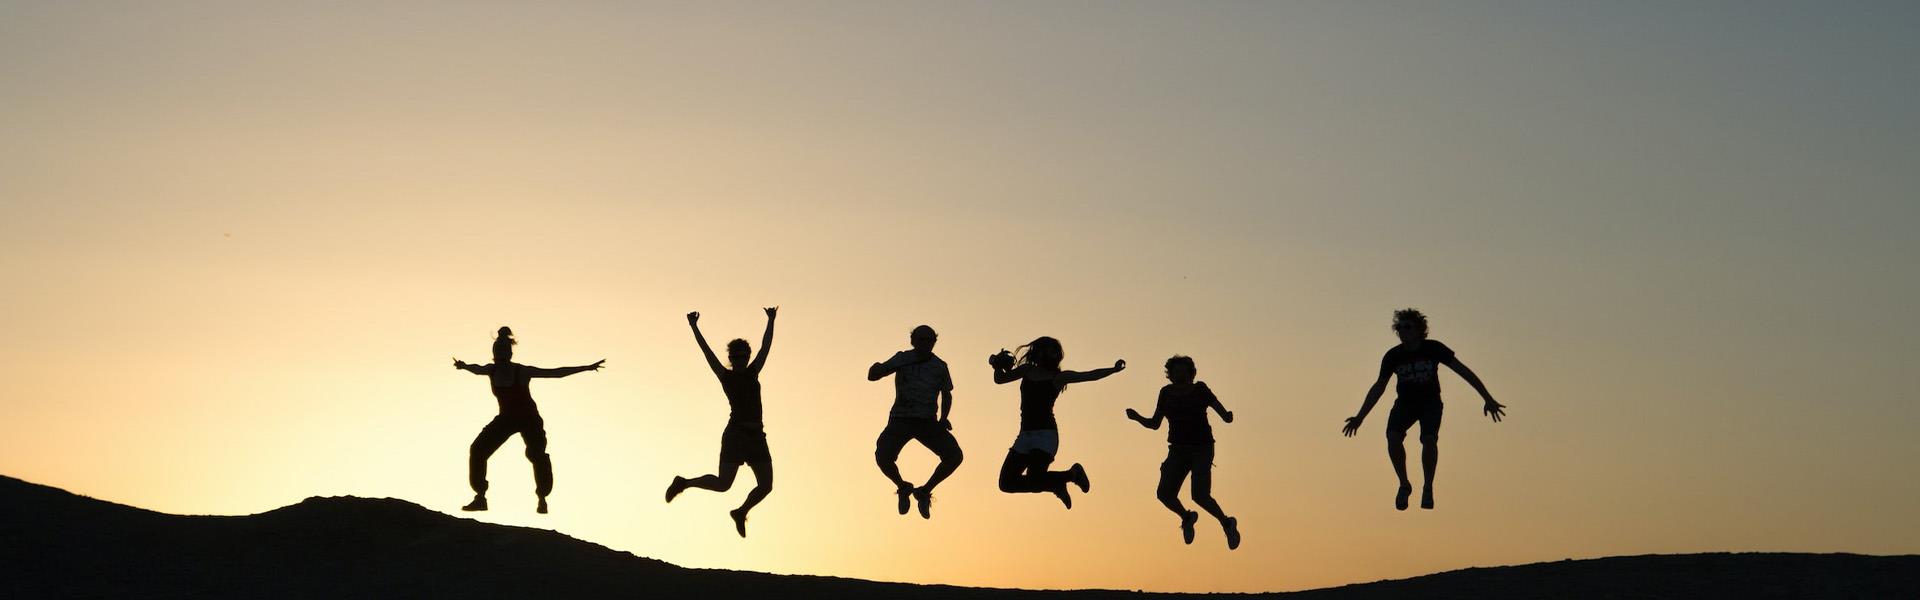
{"x":241,"y":243}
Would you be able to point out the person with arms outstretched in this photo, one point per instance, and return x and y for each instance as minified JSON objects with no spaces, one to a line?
{"x":1183,"y":405}
{"x":744,"y":441}
{"x":517,"y":415}
{"x":1416,"y":362}
{"x":918,"y":378}
{"x":1041,"y":381}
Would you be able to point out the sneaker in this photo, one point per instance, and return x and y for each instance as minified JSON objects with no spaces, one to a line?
{"x":1400,"y":499}
{"x":1065,"y":498}
{"x":1426,"y":498}
{"x":739,"y":521}
{"x":479,"y":503}
{"x":1186,"y":525}
{"x":1232,"y":526}
{"x":905,"y":492}
{"x":1078,"y":475}
{"x":925,"y":497}
{"x":542,"y":508}
{"x":673,"y":489}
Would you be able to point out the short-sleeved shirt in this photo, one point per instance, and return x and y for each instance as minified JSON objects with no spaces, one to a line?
{"x":917,"y":385}
{"x":1417,"y":370}
{"x":1185,"y":408}
{"x":509,"y":383}
{"x":743,"y":394}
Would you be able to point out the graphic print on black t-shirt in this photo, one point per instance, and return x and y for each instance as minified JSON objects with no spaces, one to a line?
{"x":1417,"y":371}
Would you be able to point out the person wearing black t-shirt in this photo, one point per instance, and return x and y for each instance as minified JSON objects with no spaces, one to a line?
{"x":922,"y":401}
{"x":745,"y":439}
{"x":1038,"y":370}
{"x":1183,"y":405}
{"x":518,"y":415}
{"x":1415,"y":362}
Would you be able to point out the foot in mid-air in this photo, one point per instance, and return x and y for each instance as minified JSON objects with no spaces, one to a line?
{"x":739,"y":521}
{"x":542,"y":507}
{"x":1186,"y":525}
{"x":1078,"y":475}
{"x":925,"y":498}
{"x":1400,"y":500}
{"x":1065,"y":497}
{"x":1232,"y":527}
{"x":1426,"y":497}
{"x":479,"y":503}
{"x":673,"y":489}
{"x":905,"y":492}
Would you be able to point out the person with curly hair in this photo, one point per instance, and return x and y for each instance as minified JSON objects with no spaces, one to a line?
{"x":1415,"y":362}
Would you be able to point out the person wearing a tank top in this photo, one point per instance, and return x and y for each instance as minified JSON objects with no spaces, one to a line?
{"x":744,"y":441}
{"x":1038,"y":370}
{"x":518,"y":415}
{"x":1183,"y":405}
{"x":1415,"y":362}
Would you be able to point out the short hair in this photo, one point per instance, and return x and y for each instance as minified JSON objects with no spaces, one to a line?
{"x":917,"y":331}
{"x":1411,"y":317}
{"x":738,"y":344}
{"x":1180,"y":360}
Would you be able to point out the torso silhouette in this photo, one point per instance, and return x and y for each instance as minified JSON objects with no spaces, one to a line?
{"x":1036,"y":403}
{"x":1416,"y":371}
{"x":743,"y":394}
{"x":1185,"y":407}
{"x":510,"y":389}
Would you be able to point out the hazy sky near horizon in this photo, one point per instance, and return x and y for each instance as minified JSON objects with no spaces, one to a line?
{"x":241,"y":242}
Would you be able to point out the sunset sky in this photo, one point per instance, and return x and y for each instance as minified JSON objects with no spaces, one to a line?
{"x":242,"y":242}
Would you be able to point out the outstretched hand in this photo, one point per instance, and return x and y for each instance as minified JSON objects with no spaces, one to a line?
{"x":771,"y":310}
{"x":1226,"y":415}
{"x":1353,"y":426}
{"x":597,"y":365}
{"x":1134,"y":414}
{"x":1495,"y":410}
{"x":1119,"y":365}
{"x":459,"y":364}
{"x":693,"y":318}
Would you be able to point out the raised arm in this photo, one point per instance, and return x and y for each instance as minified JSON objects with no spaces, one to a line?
{"x":693,"y":320}
{"x":1373,"y":397}
{"x":472,"y":368}
{"x":1070,"y":377}
{"x":1492,"y":409}
{"x":1009,"y":375}
{"x":564,"y":371}
{"x":766,"y":342}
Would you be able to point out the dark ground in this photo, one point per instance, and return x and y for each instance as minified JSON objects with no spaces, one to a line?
{"x":54,"y":544}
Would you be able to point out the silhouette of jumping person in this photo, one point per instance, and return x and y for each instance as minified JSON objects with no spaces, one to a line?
{"x":1183,"y":405}
{"x":1416,"y":363}
{"x":517,"y":415}
{"x":1041,"y":381}
{"x":918,"y":377}
{"x":744,"y":441}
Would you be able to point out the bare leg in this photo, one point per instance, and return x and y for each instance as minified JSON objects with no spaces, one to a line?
{"x":762,"y":485}
{"x":719,"y":482}
{"x":1429,"y":461}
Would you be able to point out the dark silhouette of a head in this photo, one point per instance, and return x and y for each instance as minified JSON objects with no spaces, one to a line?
{"x":1043,"y":352}
{"x":1410,"y":324}
{"x":739,"y":354}
{"x":923,"y":338}
{"x":1180,"y":369}
{"x":503,"y":345}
